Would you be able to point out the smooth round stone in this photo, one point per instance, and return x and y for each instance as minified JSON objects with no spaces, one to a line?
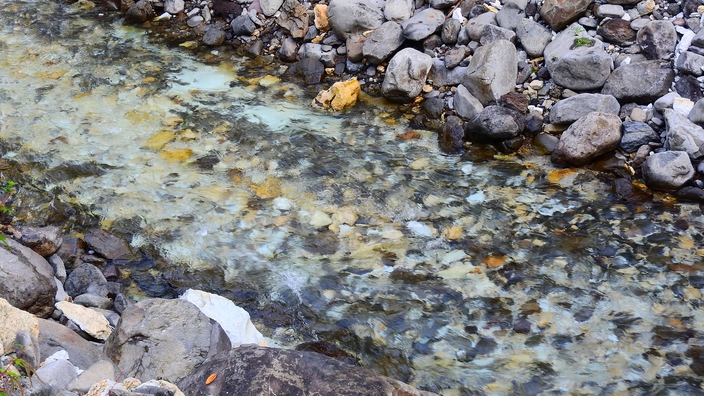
{"x":195,"y":21}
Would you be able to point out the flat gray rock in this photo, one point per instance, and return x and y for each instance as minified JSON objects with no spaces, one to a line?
{"x":269,"y":7}
{"x":491,"y":33}
{"x":26,"y":279}
{"x":383,"y":42}
{"x":573,"y":108}
{"x":534,"y":37}
{"x":405,"y":75}
{"x":589,"y":137}
{"x":422,"y":24}
{"x":349,"y":17}
{"x":683,"y":135}
{"x":690,"y":63}
{"x":492,"y":71}
{"x":54,"y":337}
{"x":668,"y":170}
{"x":577,"y":61}
{"x":641,"y":82}
{"x":81,"y":278}
{"x":441,"y":75}
{"x":466,"y":105}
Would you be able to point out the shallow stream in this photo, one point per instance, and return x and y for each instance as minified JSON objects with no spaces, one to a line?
{"x":462,"y":275}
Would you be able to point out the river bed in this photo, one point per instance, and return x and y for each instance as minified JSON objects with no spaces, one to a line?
{"x":463,"y":275}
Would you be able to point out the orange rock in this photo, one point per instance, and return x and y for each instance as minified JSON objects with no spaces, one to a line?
{"x":321,"y":17}
{"x":495,"y":261}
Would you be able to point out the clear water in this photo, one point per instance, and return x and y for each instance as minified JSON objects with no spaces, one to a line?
{"x":500,"y":276}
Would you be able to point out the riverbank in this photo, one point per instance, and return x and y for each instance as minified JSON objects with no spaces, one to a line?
{"x":515,"y":76}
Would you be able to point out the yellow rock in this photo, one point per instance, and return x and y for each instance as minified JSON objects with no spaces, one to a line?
{"x":453,"y":233}
{"x":321,"y":17}
{"x":268,"y":81}
{"x":271,"y":188}
{"x":177,"y":155}
{"x":159,"y":140}
{"x":188,"y":44}
{"x":342,"y":95}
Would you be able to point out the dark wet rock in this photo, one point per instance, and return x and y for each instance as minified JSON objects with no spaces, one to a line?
{"x":559,"y":13}
{"x":494,"y":123}
{"x":451,"y":135}
{"x":329,"y":350}
{"x":383,"y":42}
{"x":544,"y":143}
{"x":454,"y":56}
{"x":515,"y":101}
{"x":690,"y":63}
{"x":589,"y":137}
{"x":668,"y":170}
{"x":636,"y":134}
{"x":311,"y":70}
{"x":43,"y":240}
{"x":214,"y":36}
{"x":641,"y":82}
{"x":534,"y":122}
{"x":81,"y":278}
{"x":164,"y":338}
{"x":253,"y":370}
{"x":405,"y":75}
{"x":140,"y":12}
{"x":626,"y":190}
{"x":121,"y":302}
{"x":522,"y":326}
{"x":350,"y":17}
{"x":573,"y":108}
{"x":433,"y":107}
{"x":242,"y":25}
{"x":26,"y":279}
{"x":450,"y":31}
{"x":696,"y":115}
{"x":27,"y":347}
{"x":688,"y":87}
{"x":288,"y":51}
{"x":441,"y":4}
{"x":683,"y":135}
{"x":54,"y":337}
{"x":71,"y":251}
{"x":422,"y":24}
{"x":226,"y":8}
{"x":690,"y":193}
{"x":294,"y":18}
{"x":577,"y":61}
{"x":533,"y":36}
{"x":492,"y":71}
{"x":107,"y":245}
{"x":657,"y":39}
{"x":466,"y":105}
{"x":491,"y":33}
{"x":617,"y":31}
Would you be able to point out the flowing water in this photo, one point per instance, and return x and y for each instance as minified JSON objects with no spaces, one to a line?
{"x":461,"y":275}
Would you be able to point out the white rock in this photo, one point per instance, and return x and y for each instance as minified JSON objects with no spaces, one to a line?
{"x":476,"y":198}
{"x":174,"y":6}
{"x":90,"y":321}
{"x":320,"y":219}
{"x":420,"y":229}
{"x":233,"y":319}
{"x":281,"y":203}
{"x":12,"y":321}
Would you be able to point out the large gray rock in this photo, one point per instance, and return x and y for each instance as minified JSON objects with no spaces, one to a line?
{"x":26,"y":279}
{"x":398,"y":10}
{"x":492,"y":71}
{"x":683,"y":135}
{"x":405,"y":75}
{"x":657,"y":39}
{"x":164,"y":338}
{"x":573,"y":108}
{"x":466,"y":105}
{"x":349,"y":17}
{"x":422,"y":24}
{"x":690,"y":63}
{"x":251,"y":370}
{"x":269,"y":7}
{"x":559,"y":13}
{"x":696,"y":115}
{"x":637,"y":134}
{"x":54,"y":337}
{"x":491,"y":33}
{"x":577,"y":61}
{"x":475,"y":26}
{"x":668,"y":170}
{"x":81,"y":278}
{"x":450,"y":31}
{"x":494,"y":123}
{"x":533,"y":36}
{"x":640,"y":82}
{"x":589,"y":137}
{"x":106,"y":244}
{"x":509,"y":16}
{"x":441,"y":75}
{"x":383,"y":42}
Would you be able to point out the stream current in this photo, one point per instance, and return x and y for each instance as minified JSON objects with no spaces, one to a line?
{"x":497,"y":276}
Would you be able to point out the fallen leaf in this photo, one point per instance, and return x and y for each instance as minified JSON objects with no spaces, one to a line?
{"x":211,"y":378}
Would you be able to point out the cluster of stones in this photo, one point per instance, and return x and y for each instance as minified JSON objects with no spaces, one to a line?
{"x":575,"y":78}
{"x":66,"y":316}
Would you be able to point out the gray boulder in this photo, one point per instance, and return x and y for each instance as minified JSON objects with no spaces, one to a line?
{"x":269,"y":7}
{"x":54,"y":337}
{"x":577,"y":61}
{"x":636,"y":134}
{"x":641,"y":82}
{"x":668,"y":170}
{"x":383,"y":42}
{"x":589,"y":137}
{"x":690,"y":63}
{"x":533,"y":36}
{"x":349,"y":17}
{"x":466,"y":105}
{"x":214,"y":36}
{"x":450,"y":31}
{"x":696,"y":115}
{"x":492,"y":71}
{"x":81,"y":278}
{"x":164,"y":338}
{"x":26,"y":279}
{"x":242,"y":25}
{"x":509,"y":16}
{"x":475,"y":26}
{"x":683,"y":135}
{"x":106,"y":244}
{"x":657,"y":39}
{"x":405,"y":75}
{"x":250,"y":370}
{"x":491,"y":33}
{"x":494,"y":123}
{"x":559,"y":13}
{"x":569,"y":110}
{"x":422,"y":24}
{"x":398,"y":10}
